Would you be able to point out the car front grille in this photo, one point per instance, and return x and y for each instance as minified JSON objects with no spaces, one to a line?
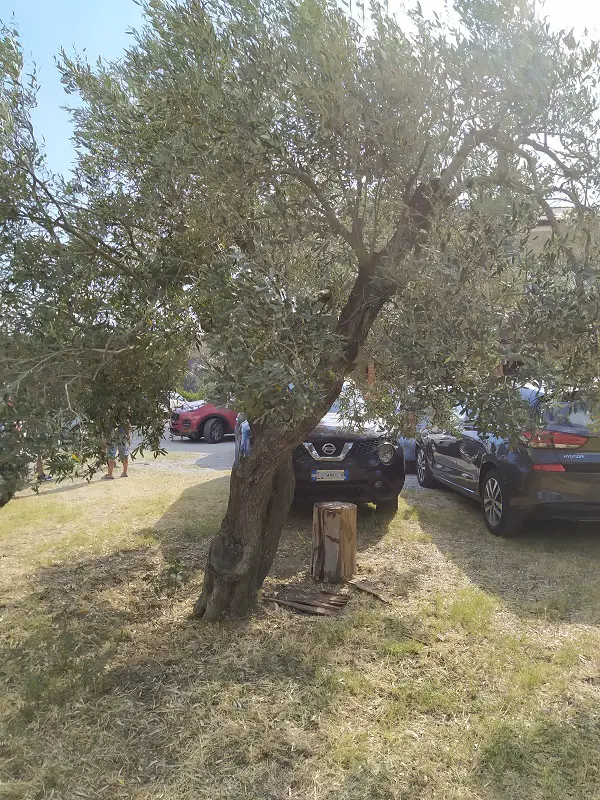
{"x":338,"y":447}
{"x":365,"y":447}
{"x":174,"y":417}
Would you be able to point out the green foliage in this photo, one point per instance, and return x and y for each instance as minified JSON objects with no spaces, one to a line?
{"x":285,"y":188}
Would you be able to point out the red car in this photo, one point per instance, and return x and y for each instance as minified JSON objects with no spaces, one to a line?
{"x":206,"y":420}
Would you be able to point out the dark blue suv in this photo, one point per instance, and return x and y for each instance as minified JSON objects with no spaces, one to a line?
{"x":339,"y":463}
{"x":553,"y":472}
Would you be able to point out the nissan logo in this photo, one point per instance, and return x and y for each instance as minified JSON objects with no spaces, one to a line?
{"x":328,"y":449}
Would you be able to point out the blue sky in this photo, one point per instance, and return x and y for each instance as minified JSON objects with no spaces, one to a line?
{"x":98,"y":28}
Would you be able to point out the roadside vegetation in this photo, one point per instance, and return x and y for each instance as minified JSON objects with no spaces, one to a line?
{"x":479,"y":680}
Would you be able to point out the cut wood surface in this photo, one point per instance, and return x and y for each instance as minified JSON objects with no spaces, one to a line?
{"x":333,"y":542}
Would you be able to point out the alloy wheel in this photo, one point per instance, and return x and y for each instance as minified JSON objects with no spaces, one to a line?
{"x":492,"y":502}
{"x":216,"y":433}
{"x":421,"y":465}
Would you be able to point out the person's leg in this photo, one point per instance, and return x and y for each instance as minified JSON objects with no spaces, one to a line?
{"x":39,"y":470}
{"x":124,"y":457}
{"x":111,"y":455}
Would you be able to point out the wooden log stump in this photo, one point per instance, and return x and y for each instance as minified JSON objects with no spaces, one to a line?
{"x":333,"y":542}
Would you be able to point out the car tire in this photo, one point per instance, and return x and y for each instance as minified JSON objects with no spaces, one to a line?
{"x":214,"y":431}
{"x":424,"y":474}
{"x":500,"y":518}
{"x":387,"y":506}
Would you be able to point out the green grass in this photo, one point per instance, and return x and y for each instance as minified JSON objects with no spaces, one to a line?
{"x":479,"y":682}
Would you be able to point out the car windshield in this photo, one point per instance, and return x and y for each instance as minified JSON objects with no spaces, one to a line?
{"x":574,"y":415}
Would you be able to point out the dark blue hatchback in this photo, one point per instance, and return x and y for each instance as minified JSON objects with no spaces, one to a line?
{"x":553,"y":472}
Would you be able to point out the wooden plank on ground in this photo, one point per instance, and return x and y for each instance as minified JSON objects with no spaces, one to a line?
{"x":316,"y":603}
{"x":369,"y":588}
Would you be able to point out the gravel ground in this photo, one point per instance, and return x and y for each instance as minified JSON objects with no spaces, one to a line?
{"x":184,"y":455}
{"x":411,"y":482}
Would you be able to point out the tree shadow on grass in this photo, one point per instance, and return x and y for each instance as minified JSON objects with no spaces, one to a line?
{"x":111,"y":690}
{"x":552,"y":569}
{"x":542,"y":758}
{"x":185,"y":530}
{"x":63,"y":486}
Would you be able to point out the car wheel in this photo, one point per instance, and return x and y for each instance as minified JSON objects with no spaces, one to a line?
{"x":499,"y":517}
{"x":214,"y":431}
{"x":424,"y":474}
{"x":387,"y":506}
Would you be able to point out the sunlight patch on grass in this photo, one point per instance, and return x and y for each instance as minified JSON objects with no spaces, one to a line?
{"x":472,"y":609}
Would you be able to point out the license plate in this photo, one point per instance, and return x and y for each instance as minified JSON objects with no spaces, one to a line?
{"x":329,"y":475}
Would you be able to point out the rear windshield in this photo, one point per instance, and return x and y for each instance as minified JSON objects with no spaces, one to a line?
{"x":574,"y":415}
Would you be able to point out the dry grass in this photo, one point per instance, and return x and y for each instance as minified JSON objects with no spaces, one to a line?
{"x":480,"y":682}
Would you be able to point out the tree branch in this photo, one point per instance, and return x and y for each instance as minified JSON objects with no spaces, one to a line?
{"x":542,"y":148}
{"x":62,"y":223}
{"x":420,"y":206}
{"x":471,"y":141}
{"x":354,"y":237}
{"x":511,"y":147}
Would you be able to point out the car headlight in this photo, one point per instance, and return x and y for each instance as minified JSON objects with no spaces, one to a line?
{"x":386,"y":452}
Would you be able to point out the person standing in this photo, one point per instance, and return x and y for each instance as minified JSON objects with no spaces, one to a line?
{"x":39,"y":470}
{"x":242,"y":438}
{"x":118,"y":444}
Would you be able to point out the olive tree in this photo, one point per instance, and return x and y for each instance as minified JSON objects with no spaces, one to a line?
{"x":81,"y":346}
{"x":294,"y":190}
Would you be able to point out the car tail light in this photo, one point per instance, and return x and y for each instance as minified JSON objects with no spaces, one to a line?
{"x":548,"y":468}
{"x":568,"y":440}
{"x":550,"y":440}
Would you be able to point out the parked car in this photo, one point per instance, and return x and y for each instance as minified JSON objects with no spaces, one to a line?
{"x":339,"y":463}
{"x":551,"y":473}
{"x":207,"y":420}
{"x":409,"y":447}
{"x":336,"y":462}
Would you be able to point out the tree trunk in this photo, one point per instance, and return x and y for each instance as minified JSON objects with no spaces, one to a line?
{"x":242,"y":553}
{"x":260,"y":495}
{"x":262,"y":486}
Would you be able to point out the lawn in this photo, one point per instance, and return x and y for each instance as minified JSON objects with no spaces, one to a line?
{"x":481,"y":680}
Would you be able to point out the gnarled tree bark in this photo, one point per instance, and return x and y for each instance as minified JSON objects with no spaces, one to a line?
{"x":242,"y":553}
{"x":261,"y":493}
